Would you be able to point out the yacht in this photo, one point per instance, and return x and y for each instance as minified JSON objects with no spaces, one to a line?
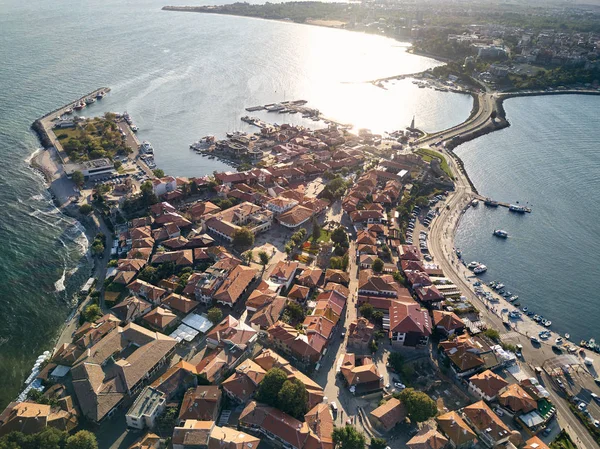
{"x":500,"y":233}
{"x":473,"y":265}
{"x":90,"y":100}
{"x":480,"y":269}
{"x":548,"y":323}
{"x":499,"y":286}
{"x":146,"y":147}
{"x":517,"y":208}
{"x":79,"y":106}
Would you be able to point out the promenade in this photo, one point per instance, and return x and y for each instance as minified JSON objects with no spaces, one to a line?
{"x":441,"y":246}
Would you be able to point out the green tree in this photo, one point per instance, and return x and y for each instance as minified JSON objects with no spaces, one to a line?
{"x":419,"y":406}
{"x":378,"y":443}
{"x":396,"y":361}
{"x":166,"y":422}
{"x":158,"y":172}
{"x":293,"y":398}
{"x":92,"y":312}
{"x":295,"y":311}
{"x":85,"y":209}
{"x":492,"y":334}
{"x":264,"y":257}
{"x":243,"y":238}
{"x":422,"y":201}
{"x":215,"y":315}
{"x":248,"y":257}
{"x":78,"y":178}
{"x":377,"y":317}
{"x":366,"y":310}
{"x":339,"y":236}
{"x":399,"y":278}
{"x":268,"y":389}
{"x":97,"y":248}
{"x":316,"y":230}
{"x":83,"y":439}
{"x":348,"y":437}
{"x":148,"y":274}
{"x":377,"y":265}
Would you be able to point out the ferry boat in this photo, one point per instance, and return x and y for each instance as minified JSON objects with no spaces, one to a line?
{"x":146,"y":147}
{"x":90,"y":100}
{"x":490,"y":202}
{"x":500,"y":233}
{"x":473,"y":265}
{"x":517,"y":208}
{"x":480,"y":269}
{"x":79,"y":106}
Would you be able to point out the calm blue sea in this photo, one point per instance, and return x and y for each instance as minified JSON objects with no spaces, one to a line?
{"x":549,"y":158}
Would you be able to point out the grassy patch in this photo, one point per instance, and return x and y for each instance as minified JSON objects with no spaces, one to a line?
{"x":563,"y":441}
{"x":428,"y":155}
{"x":324,"y":237}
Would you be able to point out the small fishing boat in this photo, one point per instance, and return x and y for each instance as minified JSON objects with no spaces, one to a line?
{"x":548,"y":323}
{"x":567,"y":336}
{"x":500,"y":233}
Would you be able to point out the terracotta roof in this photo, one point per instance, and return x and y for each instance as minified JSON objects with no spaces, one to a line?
{"x":339,"y":288}
{"x":414,"y":265}
{"x":193,"y":433}
{"x":447,"y":320}
{"x":299,"y":292}
{"x":284,"y":269}
{"x":310,"y":277}
{"x":244,"y":381}
{"x":417,"y":277}
{"x":228,"y":438}
{"x":160,"y":318}
{"x":268,"y":315}
{"x":517,"y":399}
{"x":359,"y":370}
{"x":455,"y":428}
{"x":237,"y":281}
{"x":535,"y":443}
{"x":201,"y":403}
{"x":366,"y":238}
{"x":429,"y":294}
{"x":360,"y":331}
{"x":180,"y":303}
{"x":149,"y":291}
{"x":485,"y":420}
{"x":147,"y":441}
{"x":428,"y":439}
{"x":488,"y":382}
{"x":337,"y":276}
{"x":302,"y":346}
{"x":131,"y":308}
{"x":232,"y":331}
{"x":390,"y":413}
{"x":261,"y":296}
{"x":182,"y":258}
{"x":100,"y":387}
{"x":131,"y":264}
{"x":180,"y":376}
{"x":202,"y":208}
{"x":409,"y":252}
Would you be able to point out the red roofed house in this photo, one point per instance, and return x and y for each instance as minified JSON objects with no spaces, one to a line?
{"x":305,"y":348}
{"x":284,"y":272}
{"x":448,"y":323}
{"x":486,"y":385}
{"x":235,"y":285}
{"x":409,"y":325}
{"x":486,"y":423}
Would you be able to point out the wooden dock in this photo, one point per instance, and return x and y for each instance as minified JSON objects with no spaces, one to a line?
{"x":507,"y":205}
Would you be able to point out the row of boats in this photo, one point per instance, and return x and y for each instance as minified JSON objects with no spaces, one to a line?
{"x":85,"y":102}
{"x":129,"y":121}
{"x":513,"y":299}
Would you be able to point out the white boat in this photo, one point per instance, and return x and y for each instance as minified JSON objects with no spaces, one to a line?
{"x":500,"y":233}
{"x":567,"y":336}
{"x":473,"y":265}
{"x":475,"y":203}
{"x":480,"y":269}
{"x":134,"y":128}
{"x":548,"y":323}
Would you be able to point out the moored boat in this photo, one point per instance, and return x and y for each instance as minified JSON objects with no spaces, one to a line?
{"x":473,"y":265}
{"x":79,"y":106}
{"x":517,"y":208}
{"x":480,"y":269}
{"x":90,"y":100}
{"x":490,"y":202}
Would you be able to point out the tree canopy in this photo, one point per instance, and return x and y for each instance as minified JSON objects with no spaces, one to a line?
{"x":378,"y":265}
{"x":215,"y":315}
{"x":49,"y":438}
{"x":158,"y":172}
{"x":339,"y":236}
{"x":268,"y":389}
{"x":78,"y":178}
{"x":378,"y":443}
{"x":264,"y":257}
{"x":92,"y":313}
{"x":293,"y":398}
{"x":243,"y":238}
{"x":348,"y":437}
{"x":83,"y":439}
{"x":419,"y":406}
{"x":366,"y":310}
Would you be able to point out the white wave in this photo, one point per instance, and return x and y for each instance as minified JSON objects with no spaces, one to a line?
{"x":32,"y":155}
{"x":60,"y":284}
{"x":38,"y":197}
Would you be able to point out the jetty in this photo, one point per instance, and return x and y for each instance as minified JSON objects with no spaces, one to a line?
{"x":500,"y":203}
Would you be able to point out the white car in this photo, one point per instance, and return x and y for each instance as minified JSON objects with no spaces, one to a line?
{"x":582,"y":406}
{"x":399,"y":385}
{"x":596,"y":423}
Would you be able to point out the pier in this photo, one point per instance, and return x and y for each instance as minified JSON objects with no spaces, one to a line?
{"x":500,"y":203}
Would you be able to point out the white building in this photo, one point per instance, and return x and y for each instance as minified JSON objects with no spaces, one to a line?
{"x":147,"y":407}
{"x":164,"y":185}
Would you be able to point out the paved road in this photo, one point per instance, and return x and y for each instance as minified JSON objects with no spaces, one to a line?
{"x":441,"y":247}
